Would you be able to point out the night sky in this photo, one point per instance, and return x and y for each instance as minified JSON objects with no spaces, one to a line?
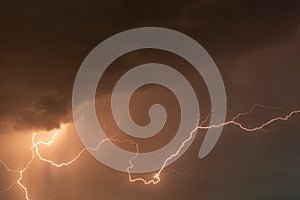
{"x":255,"y":45}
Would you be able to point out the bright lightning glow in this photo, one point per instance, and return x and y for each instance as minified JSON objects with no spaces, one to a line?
{"x":156,"y":178}
{"x":36,"y":152}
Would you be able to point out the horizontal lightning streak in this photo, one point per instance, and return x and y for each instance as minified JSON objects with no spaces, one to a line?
{"x":251,"y":129}
{"x":156,"y":178}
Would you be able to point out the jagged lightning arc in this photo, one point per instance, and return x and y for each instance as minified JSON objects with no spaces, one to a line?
{"x":233,"y":121}
{"x":35,"y":152}
{"x":156,"y":178}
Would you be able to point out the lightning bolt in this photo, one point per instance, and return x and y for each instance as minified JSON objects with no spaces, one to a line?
{"x":35,"y":152}
{"x":156,"y":178}
{"x":20,"y":172}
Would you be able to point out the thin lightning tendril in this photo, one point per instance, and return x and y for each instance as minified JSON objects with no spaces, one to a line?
{"x":233,"y":122}
{"x":156,"y":178}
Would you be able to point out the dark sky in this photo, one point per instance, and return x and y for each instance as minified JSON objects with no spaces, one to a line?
{"x":255,"y":45}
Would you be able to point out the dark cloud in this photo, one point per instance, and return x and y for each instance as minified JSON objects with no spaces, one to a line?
{"x":44,"y":43}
